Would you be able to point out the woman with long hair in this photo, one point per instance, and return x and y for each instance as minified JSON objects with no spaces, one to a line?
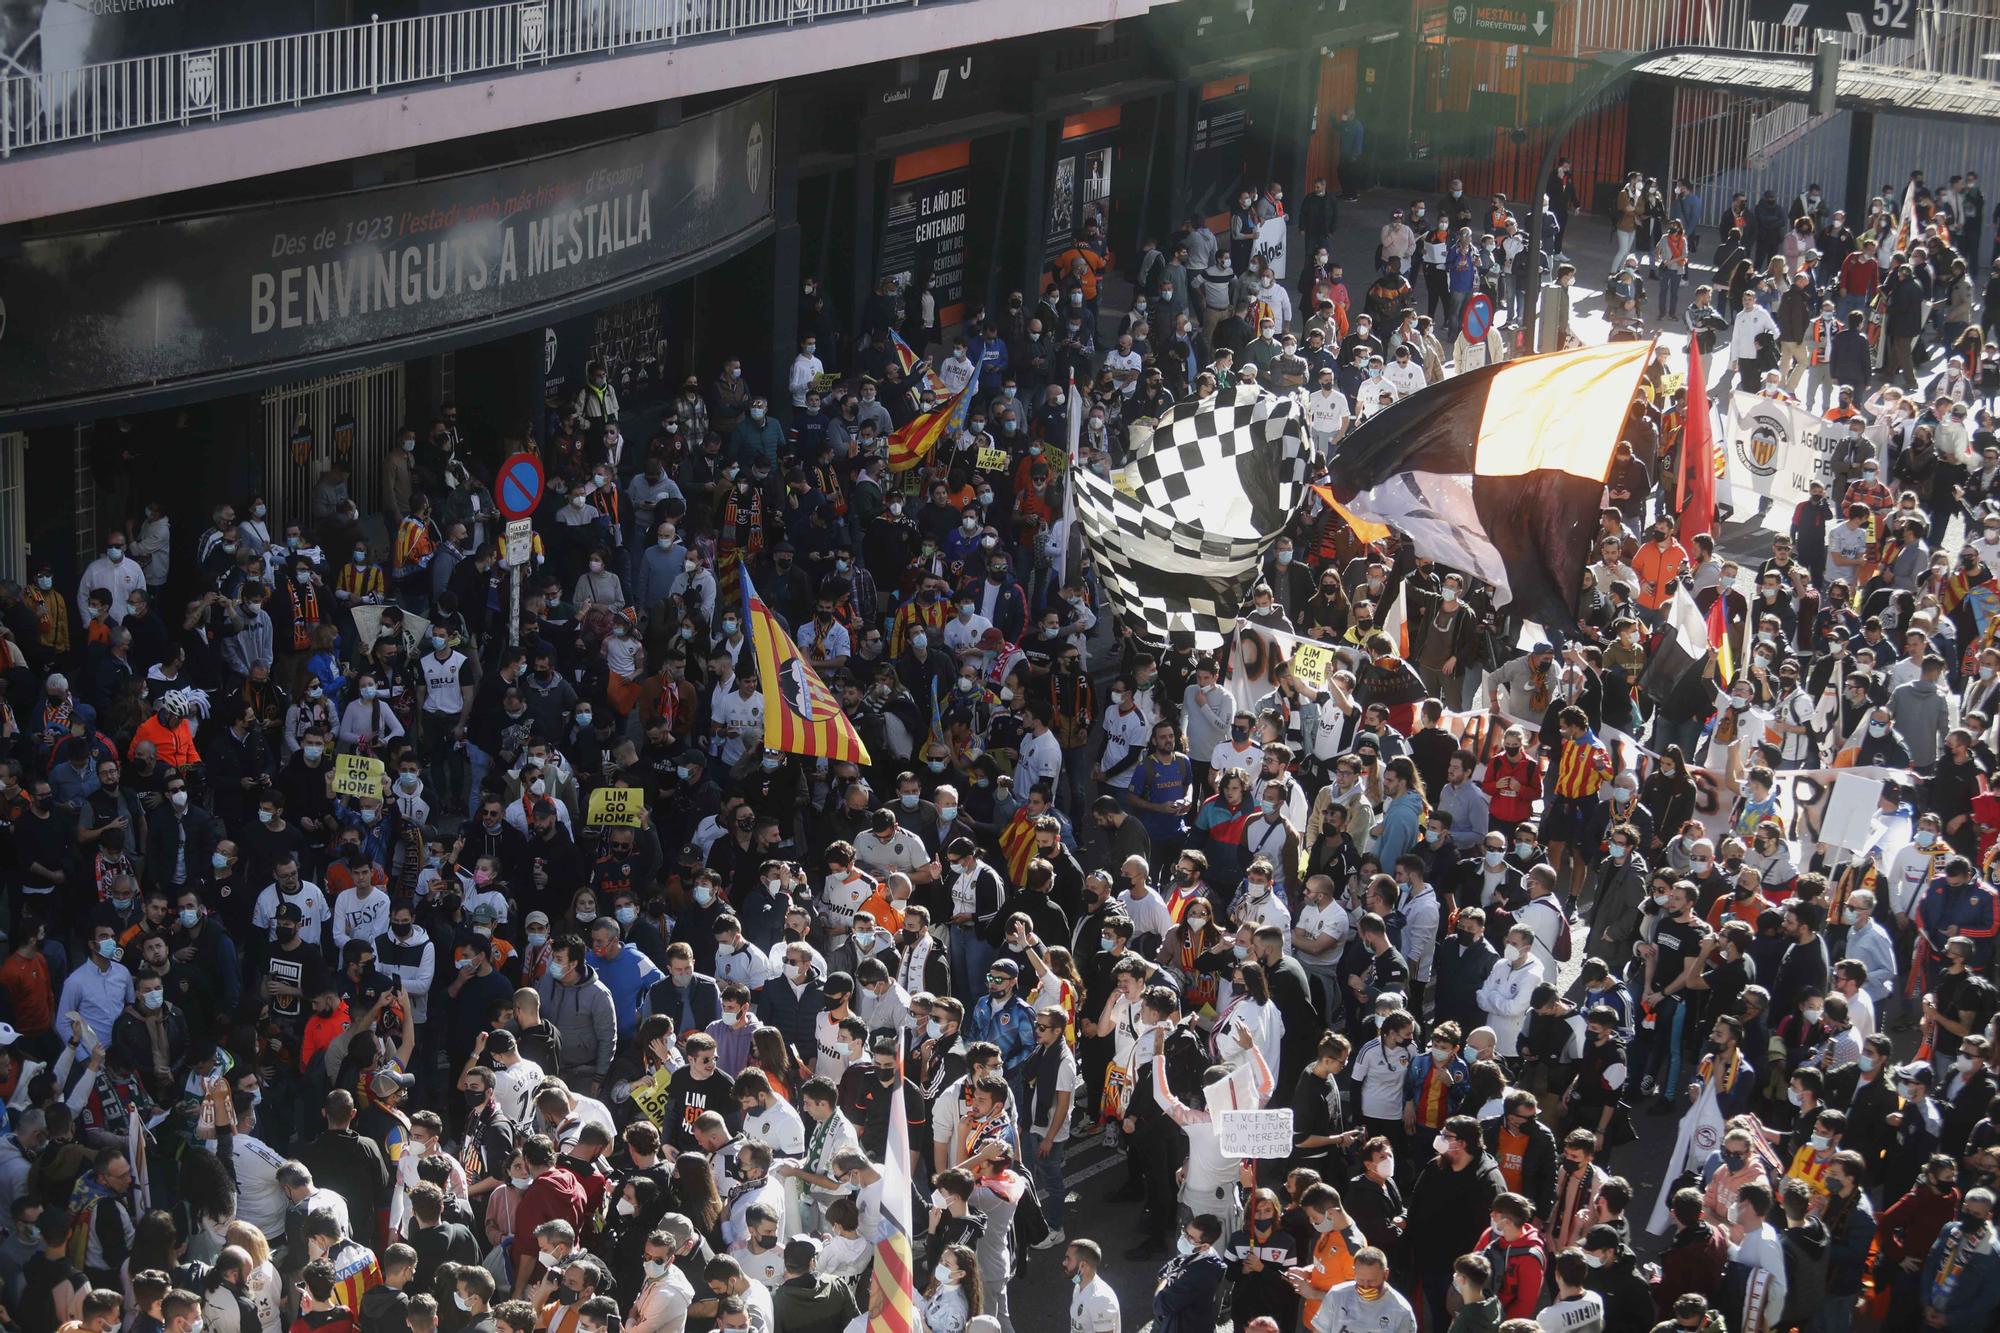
{"x":1181,"y":951}
{"x":155,"y":1244}
{"x":955,"y":1293}
{"x":1058,"y":985}
{"x":264,"y":1289}
{"x":1258,"y":1254}
{"x":771,"y":1057}
{"x":207,"y":1204}
{"x":1248,"y":1010}
{"x":695,"y":1195}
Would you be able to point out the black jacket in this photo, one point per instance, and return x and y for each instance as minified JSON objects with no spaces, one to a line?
{"x":1538,"y":1163}
{"x":1448,"y":1207}
{"x":345,"y":1163}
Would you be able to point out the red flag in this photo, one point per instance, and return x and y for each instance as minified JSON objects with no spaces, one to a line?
{"x":1697,"y":470}
{"x":1718,"y":637}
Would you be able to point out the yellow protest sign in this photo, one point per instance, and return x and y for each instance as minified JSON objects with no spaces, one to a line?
{"x":992,"y":460}
{"x":1312,"y":663}
{"x":622,"y":806}
{"x":356,"y":776}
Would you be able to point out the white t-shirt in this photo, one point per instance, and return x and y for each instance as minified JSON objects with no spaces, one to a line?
{"x":1331,"y":920}
{"x":260,"y":1199}
{"x":311,"y":902}
{"x":1093,"y":1308}
{"x":1041,"y":761}
{"x":1327,"y":411}
{"x":359,"y":918}
{"x":1117,"y":360}
{"x":781,"y":1127}
{"x":1149,"y":914}
{"x":1581,"y":1313}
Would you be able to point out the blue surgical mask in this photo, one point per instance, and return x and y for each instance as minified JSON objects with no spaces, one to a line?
{"x":109,"y":949}
{"x":190,"y":917}
{"x":771,"y":762}
{"x":537,"y":938}
{"x":627,"y":915}
{"x":1108,"y":943}
{"x":703,"y":895}
{"x":909,"y":800}
{"x":934,"y":1030}
{"x":1240,"y":950}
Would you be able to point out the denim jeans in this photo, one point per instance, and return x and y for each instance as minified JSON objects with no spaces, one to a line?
{"x":969,"y":958}
{"x":1048,"y":1174}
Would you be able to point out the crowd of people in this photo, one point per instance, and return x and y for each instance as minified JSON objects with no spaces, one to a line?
{"x":449,"y":1043}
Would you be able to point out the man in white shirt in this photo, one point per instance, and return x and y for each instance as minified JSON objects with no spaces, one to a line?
{"x":769,"y":1118}
{"x":260,"y":1199}
{"x":1041,"y":753}
{"x":1327,"y":414}
{"x":1320,"y":933}
{"x":1127,"y":731}
{"x":1139,"y":901}
{"x":360,"y":913}
{"x":962,"y":631}
{"x":739,"y":716}
{"x":515,"y":1076}
{"x":1752,"y":322}
{"x":1376,"y":392}
{"x":1124,"y":363}
{"x":114,"y":573}
{"x":665,"y":1293}
{"x":1093,"y":1305}
{"x":806,"y":367}
{"x":1404,"y":371}
{"x":287,"y":887}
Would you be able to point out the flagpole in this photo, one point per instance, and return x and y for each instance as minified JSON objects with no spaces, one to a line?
{"x":1059,"y":558}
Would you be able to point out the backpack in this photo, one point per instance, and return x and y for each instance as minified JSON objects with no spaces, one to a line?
{"x":1564,"y":946}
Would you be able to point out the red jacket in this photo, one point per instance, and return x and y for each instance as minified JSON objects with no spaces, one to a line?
{"x":556,"y":1193}
{"x":1521,"y":1265}
{"x":1525,"y":772}
{"x":1693,"y":1262}
{"x":1907,"y":1227}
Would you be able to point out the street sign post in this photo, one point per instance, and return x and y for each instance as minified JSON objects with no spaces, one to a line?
{"x":519,"y":488}
{"x":516,"y":493}
{"x":1515,"y":22}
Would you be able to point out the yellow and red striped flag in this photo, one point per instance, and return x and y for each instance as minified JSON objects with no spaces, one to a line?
{"x":895,"y":1268}
{"x":801,"y":715}
{"x":1017,"y":844}
{"x":912,"y":444}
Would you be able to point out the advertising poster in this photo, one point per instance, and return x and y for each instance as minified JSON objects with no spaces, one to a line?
{"x":1215,"y":157}
{"x":1080,"y":179}
{"x":282,"y":285}
{"x":923,"y":225}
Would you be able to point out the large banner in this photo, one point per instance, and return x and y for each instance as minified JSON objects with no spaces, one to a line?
{"x":1216,"y":157}
{"x":924,"y":226}
{"x":94,"y":313}
{"x":1777,"y":449}
{"x":52,"y":36}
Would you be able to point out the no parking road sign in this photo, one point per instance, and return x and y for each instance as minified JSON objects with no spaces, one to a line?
{"x":519,"y":488}
{"x":1478,"y":317}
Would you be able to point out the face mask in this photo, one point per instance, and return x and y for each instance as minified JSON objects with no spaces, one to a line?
{"x":179,"y":799}
{"x":153,"y":999}
{"x":1925,"y":837}
{"x":109,"y":949}
{"x":458,"y":1298}
{"x":1108,"y":943}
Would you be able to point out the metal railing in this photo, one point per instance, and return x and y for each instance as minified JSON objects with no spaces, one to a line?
{"x":1952,"y":37}
{"x":159,"y":91}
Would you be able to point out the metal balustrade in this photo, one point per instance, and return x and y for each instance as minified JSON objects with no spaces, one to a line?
{"x":180,"y":88}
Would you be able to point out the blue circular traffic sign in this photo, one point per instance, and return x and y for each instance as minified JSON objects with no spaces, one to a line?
{"x":1478,"y":317}
{"x":519,"y":489}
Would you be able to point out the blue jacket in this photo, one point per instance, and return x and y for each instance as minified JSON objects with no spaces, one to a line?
{"x":1185,"y":1302}
{"x":990,"y":355}
{"x":1975,"y":1290}
{"x":1399,"y":827}
{"x":628,"y":977}
{"x":1010,"y":1026}
{"x":753,"y":441}
{"x":1420,"y":1069}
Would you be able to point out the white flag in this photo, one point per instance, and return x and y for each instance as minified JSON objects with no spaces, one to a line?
{"x":1701,"y":1134}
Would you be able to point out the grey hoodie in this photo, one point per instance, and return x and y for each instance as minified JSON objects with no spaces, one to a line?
{"x":584,"y":1017}
{"x":1921,"y":712}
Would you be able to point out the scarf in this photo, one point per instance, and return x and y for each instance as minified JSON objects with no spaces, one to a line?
{"x":84,"y":1197}
{"x":1725,"y":1080}
{"x":305,"y":615}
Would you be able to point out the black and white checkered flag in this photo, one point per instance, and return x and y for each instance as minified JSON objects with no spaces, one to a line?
{"x":1180,"y":539}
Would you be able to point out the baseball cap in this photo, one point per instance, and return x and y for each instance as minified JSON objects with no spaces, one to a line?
{"x":1917,"y":1072}
{"x":290,"y":912}
{"x":1006,"y":967}
{"x":484,"y":914}
{"x":387,"y":1083}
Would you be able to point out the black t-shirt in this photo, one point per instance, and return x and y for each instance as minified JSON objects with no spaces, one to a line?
{"x":1677,"y":941}
{"x":40,"y":1277}
{"x":300,"y":965}
{"x":1726,"y":980}
{"x":689,"y":1097}
{"x":447,"y":1242}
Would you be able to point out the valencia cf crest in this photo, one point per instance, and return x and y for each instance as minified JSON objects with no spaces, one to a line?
{"x":805,"y":694}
